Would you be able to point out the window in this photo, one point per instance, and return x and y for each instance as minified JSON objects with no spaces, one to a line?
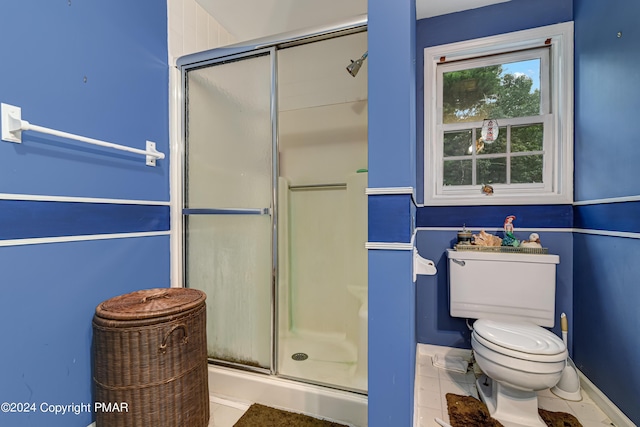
{"x":523,"y":83}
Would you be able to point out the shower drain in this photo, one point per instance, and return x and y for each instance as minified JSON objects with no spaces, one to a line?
{"x":299,"y":356}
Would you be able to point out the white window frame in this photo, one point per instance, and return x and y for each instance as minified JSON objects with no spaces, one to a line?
{"x":557,"y":116}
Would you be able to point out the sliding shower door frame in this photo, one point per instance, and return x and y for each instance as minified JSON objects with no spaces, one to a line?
{"x":238,"y":52}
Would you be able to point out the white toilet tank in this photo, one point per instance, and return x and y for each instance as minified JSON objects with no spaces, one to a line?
{"x":502,"y":286}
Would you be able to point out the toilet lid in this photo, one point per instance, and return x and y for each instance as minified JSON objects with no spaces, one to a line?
{"x":519,"y":337}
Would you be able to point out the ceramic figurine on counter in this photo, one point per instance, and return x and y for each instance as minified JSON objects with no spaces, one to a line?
{"x":509,"y":238}
{"x":508,"y":225}
{"x":533,"y":242}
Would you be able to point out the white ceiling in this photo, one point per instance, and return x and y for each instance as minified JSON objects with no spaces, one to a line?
{"x":429,"y":8}
{"x":251,"y":19}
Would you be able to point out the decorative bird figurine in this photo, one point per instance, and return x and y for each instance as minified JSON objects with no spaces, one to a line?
{"x":533,"y":242}
{"x":487,"y":189}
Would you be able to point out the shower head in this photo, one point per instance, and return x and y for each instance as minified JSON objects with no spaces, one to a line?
{"x":354,"y":67}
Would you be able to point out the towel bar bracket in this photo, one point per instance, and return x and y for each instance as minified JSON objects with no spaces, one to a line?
{"x":151,"y":159}
{"x":11,"y":116}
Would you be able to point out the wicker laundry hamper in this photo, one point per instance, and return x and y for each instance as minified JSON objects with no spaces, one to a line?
{"x":150,"y":359}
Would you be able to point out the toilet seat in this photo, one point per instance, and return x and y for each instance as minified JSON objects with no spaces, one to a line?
{"x":520,"y":340}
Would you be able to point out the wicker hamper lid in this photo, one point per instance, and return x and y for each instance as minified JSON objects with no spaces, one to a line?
{"x":150,"y":303}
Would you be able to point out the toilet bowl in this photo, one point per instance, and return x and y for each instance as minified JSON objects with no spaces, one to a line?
{"x":517,"y":359}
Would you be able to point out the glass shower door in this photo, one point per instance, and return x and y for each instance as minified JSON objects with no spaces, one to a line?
{"x":229,"y":204}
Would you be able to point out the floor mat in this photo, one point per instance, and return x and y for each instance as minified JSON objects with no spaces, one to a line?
{"x":467,"y":411}
{"x":265,"y":416}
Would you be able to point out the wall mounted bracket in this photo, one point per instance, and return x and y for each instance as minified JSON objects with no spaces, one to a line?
{"x":11,"y":126}
{"x":422,"y":266}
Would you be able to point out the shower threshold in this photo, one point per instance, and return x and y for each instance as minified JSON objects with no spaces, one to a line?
{"x":323,"y":402}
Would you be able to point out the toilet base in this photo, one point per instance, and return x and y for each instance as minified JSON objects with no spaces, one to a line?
{"x":510,"y":406}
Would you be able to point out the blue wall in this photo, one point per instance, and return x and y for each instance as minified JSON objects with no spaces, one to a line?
{"x":514,"y":15}
{"x":606,"y":268}
{"x":437,"y":224}
{"x":436,"y":326}
{"x":607,"y":99}
{"x":391,"y":163}
{"x":437,"y":232}
{"x":97,"y":69}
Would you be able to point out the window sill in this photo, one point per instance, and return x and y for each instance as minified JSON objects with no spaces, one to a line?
{"x":498,"y":199}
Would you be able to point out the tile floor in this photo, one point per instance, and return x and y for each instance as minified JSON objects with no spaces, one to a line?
{"x":432,"y":384}
{"x":225,"y":413}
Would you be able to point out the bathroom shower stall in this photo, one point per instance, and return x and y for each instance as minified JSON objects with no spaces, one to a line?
{"x":274,"y":203}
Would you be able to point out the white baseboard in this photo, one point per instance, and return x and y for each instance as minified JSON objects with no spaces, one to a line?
{"x":608,"y":407}
{"x":430,"y":349}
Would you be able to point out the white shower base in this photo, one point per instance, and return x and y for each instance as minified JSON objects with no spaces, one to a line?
{"x":332,"y":360}
{"x":321,"y":402}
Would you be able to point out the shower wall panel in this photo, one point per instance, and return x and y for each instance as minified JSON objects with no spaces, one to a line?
{"x":318,"y":260}
{"x":323,"y":145}
{"x":314,"y":74}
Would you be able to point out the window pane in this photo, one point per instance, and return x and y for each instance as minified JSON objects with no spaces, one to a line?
{"x":497,"y":146}
{"x":457,"y":143}
{"x":457,"y":172}
{"x":491,"y":171}
{"x":526,"y":138}
{"x":526,"y":169}
{"x":497,"y":91}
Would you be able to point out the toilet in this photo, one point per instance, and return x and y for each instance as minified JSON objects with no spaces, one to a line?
{"x":512,"y":296}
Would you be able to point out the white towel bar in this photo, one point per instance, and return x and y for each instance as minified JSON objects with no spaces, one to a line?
{"x":13,"y":125}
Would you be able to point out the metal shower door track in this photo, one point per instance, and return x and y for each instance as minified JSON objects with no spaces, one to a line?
{"x":292,"y":38}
